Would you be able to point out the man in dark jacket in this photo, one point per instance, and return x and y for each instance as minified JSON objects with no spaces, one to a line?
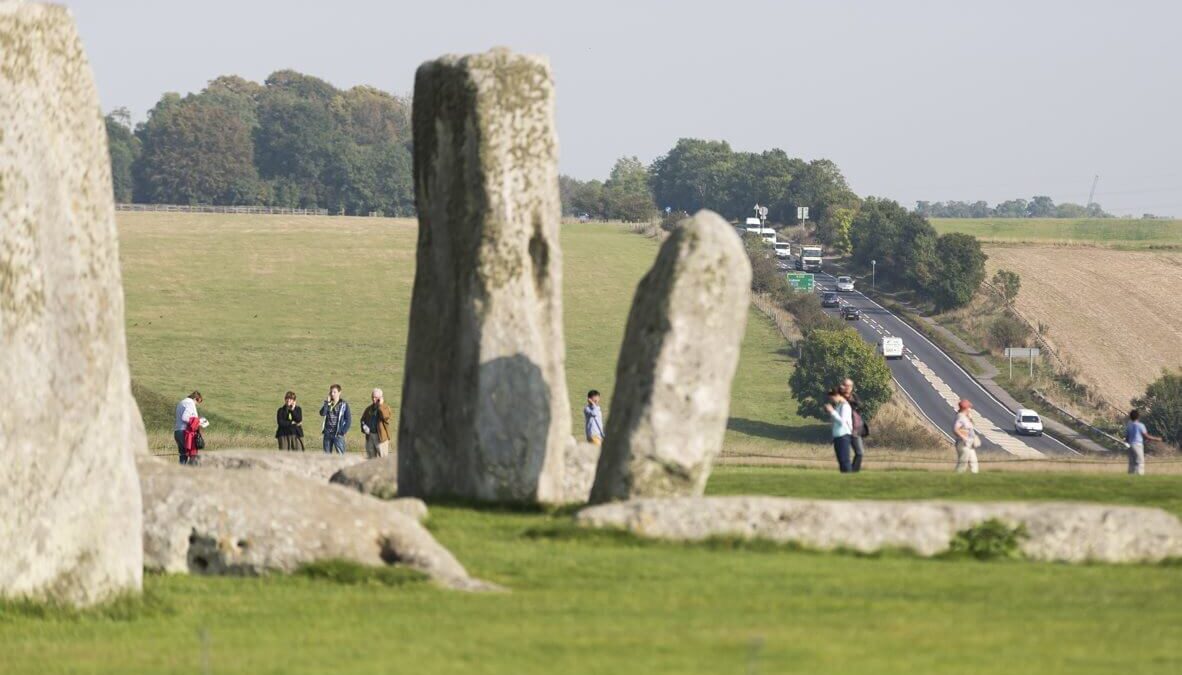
{"x":860,"y":426}
{"x":290,"y":421}
{"x":337,"y":420}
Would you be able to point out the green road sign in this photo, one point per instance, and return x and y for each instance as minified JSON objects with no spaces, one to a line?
{"x":801,"y":282}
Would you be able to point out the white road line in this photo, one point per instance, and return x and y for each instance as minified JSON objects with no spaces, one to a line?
{"x":962,"y":370}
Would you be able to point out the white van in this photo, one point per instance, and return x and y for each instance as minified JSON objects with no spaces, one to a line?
{"x":783,"y":249}
{"x":891,"y":347}
{"x":1027,"y":422}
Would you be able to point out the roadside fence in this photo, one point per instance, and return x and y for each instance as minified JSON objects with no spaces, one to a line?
{"x":210,"y":208}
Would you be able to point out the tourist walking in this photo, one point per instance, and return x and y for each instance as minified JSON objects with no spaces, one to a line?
{"x":187,"y":427}
{"x":1135,"y":435}
{"x":967,"y":440}
{"x":375,"y":424}
{"x":289,"y":420}
{"x":861,"y":428}
{"x":337,"y":421}
{"x":842,"y":416}
{"x":593,"y":418}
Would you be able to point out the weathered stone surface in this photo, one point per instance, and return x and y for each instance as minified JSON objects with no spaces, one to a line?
{"x":315,"y":465}
{"x":484,"y":405}
{"x":251,"y":522}
{"x":580,"y":459}
{"x":375,"y":477}
{"x":1058,"y":531}
{"x":673,"y":378}
{"x":70,"y":517}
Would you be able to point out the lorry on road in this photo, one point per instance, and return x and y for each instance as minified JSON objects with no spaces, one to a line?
{"x":808,"y":257}
{"x":891,"y":347}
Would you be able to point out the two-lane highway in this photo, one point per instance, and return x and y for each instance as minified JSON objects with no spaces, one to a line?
{"x":934,"y":382}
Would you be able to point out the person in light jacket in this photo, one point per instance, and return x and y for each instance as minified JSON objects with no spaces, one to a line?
{"x":967,"y":440}
{"x":593,"y":419}
{"x":186,"y":410}
{"x":337,"y":421}
{"x":842,"y":416}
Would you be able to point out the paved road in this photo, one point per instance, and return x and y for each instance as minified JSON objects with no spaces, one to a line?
{"x":934,"y":382}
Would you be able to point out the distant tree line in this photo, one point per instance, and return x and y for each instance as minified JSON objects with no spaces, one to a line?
{"x":699,"y":174}
{"x":294,"y":141}
{"x":1040,"y":206}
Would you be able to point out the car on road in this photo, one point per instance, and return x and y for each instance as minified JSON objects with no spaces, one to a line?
{"x":890,"y":347}
{"x":845,"y":284}
{"x":1027,"y":422}
{"x":851,"y":313}
{"x":830,"y":300}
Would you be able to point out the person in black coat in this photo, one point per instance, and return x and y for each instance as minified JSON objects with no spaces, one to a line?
{"x":290,"y":419}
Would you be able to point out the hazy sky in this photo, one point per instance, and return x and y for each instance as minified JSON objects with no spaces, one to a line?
{"x":913,"y":100}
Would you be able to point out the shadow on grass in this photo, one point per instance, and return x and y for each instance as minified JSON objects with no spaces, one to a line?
{"x":124,"y":607}
{"x":350,"y":573}
{"x":813,"y":433}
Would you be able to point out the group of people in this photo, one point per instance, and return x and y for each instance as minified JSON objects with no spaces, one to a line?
{"x":289,"y":420}
{"x":849,"y":428}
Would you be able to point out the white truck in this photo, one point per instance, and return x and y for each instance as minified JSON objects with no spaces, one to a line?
{"x":783,"y":249}
{"x":768,"y":235}
{"x":808,"y":258}
{"x":753,"y":226}
{"x":891,"y":347}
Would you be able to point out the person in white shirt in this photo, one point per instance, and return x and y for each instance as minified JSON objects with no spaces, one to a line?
{"x":185,"y":410}
{"x":842,"y":416}
{"x":967,"y":440}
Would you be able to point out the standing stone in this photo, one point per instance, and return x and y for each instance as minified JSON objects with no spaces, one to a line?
{"x":673,"y":378}
{"x":70,"y":513}
{"x":484,"y":405}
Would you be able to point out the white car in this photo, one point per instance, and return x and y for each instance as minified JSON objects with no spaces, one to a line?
{"x":1027,"y":422}
{"x":891,"y":347}
{"x":845,"y":284}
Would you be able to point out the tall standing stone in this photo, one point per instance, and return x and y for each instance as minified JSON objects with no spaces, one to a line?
{"x":70,"y":512}
{"x":484,"y":405}
{"x":673,"y":378}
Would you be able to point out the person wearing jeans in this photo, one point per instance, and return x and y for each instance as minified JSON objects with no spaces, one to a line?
{"x":847,"y":392}
{"x":337,"y":420}
{"x":1135,"y":435}
{"x":842,"y":416}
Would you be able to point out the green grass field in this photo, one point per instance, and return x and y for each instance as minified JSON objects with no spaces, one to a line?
{"x":1125,"y":233}
{"x":607,"y":604}
{"x":244,"y":308}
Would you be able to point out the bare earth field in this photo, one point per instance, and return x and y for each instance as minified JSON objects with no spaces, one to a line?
{"x":1113,"y":314}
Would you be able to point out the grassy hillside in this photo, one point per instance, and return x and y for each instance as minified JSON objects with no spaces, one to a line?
{"x":605,"y":604}
{"x":246,"y":307}
{"x":1134,"y":233}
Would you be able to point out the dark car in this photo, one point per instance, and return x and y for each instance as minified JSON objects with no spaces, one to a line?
{"x":830,"y":300}
{"x":851,"y":313}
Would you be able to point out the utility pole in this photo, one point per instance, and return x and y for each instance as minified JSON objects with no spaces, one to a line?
{"x":1092,"y":194}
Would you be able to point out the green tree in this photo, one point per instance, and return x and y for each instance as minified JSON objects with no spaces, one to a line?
{"x":1013,"y":208}
{"x":834,"y":231}
{"x":1009,"y":283}
{"x":195,"y":152}
{"x":960,"y":270}
{"x":588,"y":198}
{"x":829,"y":356}
{"x":1041,"y":207}
{"x":1162,"y":407}
{"x":626,"y":194}
{"x":125,"y":150}
{"x":694,"y":175}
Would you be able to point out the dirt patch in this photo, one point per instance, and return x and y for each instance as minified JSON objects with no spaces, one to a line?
{"x":1113,"y":315}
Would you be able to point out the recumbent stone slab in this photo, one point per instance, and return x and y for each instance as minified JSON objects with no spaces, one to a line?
{"x":484,"y":406}
{"x":70,"y":512}
{"x":673,"y":378}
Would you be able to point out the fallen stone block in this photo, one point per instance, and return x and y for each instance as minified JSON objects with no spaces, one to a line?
{"x":251,"y":522}
{"x":376,"y":477}
{"x":315,"y":465}
{"x":1057,"y":531}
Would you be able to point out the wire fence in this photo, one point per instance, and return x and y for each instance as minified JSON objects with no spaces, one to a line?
{"x":210,"y":208}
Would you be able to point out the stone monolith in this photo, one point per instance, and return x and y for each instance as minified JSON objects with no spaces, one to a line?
{"x":673,"y":378}
{"x":70,"y":511}
{"x":484,"y":406}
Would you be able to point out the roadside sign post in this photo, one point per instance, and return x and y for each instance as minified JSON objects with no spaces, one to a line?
{"x":802,"y":214}
{"x":1028,"y":352}
{"x":801,"y":282}
{"x":873,"y":276}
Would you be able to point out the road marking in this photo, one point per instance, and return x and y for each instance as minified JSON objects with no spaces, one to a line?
{"x":965,"y":372}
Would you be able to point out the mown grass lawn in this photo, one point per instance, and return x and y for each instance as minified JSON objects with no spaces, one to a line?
{"x":244,"y":308}
{"x":1122,"y":232}
{"x":604,"y":604}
